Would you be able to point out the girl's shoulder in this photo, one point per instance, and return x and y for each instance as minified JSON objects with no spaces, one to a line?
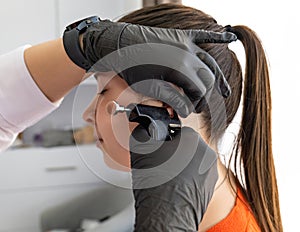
{"x":239,"y":219}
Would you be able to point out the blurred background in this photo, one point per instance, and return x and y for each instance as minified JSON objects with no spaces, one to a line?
{"x":42,"y":171}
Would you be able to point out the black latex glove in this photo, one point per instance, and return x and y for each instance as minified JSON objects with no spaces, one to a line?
{"x":172,"y":184}
{"x":159,"y":54}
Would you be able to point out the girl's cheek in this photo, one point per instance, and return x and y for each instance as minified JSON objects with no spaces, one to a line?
{"x":116,"y":144}
{"x":121,"y":130}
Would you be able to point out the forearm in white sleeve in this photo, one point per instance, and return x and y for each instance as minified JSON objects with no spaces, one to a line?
{"x":22,"y":103}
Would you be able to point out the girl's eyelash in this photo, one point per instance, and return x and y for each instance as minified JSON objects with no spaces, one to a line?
{"x":103,"y":91}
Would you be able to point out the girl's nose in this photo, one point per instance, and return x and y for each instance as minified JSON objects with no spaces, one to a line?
{"x":89,"y":113}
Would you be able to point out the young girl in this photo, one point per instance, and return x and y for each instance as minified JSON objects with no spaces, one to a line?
{"x":245,"y":199}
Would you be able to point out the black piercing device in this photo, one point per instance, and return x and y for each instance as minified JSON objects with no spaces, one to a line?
{"x":156,"y":120}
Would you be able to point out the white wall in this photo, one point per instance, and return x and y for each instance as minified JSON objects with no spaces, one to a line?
{"x":23,"y":22}
{"x":103,"y":8}
{"x":34,"y":21}
{"x":278,"y":25}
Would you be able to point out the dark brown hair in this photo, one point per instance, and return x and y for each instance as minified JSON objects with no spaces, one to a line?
{"x":252,"y":154}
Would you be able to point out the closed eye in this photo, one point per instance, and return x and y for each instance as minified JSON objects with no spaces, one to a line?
{"x":102,"y":92}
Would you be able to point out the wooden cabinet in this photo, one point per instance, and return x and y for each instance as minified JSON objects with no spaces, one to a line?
{"x":43,"y":167}
{"x":35,"y":179}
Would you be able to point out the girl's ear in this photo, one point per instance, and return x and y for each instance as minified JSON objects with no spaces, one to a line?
{"x":169,"y":109}
{"x":153,"y":102}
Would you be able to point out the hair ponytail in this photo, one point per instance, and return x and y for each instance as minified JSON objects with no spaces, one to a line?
{"x":254,"y":141}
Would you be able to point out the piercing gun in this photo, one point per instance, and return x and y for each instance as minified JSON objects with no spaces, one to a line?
{"x":156,"y":120}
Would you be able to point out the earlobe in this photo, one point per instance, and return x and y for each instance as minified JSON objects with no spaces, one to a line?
{"x":157,"y":103}
{"x":169,"y":109}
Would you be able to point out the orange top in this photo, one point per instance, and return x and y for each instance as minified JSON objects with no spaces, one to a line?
{"x":240,"y":219}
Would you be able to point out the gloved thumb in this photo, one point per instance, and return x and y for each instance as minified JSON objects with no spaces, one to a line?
{"x":143,"y":149}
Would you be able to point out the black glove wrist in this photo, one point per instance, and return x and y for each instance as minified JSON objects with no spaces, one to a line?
{"x":71,"y":41}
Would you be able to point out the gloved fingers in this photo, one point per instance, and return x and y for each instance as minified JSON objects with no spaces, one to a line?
{"x":204,"y":36}
{"x":143,"y":150}
{"x":167,"y":93}
{"x":220,"y":82}
{"x":140,"y":134}
{"x":149,"y":153}
{"x":146,"y":152}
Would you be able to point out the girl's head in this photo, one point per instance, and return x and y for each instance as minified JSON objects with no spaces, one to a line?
{"x":253,"y":151}
{"x":112,"y":132}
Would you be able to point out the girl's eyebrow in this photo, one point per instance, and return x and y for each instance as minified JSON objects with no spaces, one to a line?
{"x":103,"y":79}
{"x":101,"y":82}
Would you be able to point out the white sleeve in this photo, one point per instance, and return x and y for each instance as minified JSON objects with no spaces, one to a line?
{"x":22,"y":103}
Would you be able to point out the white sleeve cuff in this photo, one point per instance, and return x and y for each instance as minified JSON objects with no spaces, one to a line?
{"x":22,"y":103}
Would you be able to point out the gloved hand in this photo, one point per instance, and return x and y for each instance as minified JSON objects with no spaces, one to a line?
{"x":160,"y":55}
{"x":173,"y":181}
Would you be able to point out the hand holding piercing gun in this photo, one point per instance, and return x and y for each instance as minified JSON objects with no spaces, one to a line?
{"x":156,"y":120}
